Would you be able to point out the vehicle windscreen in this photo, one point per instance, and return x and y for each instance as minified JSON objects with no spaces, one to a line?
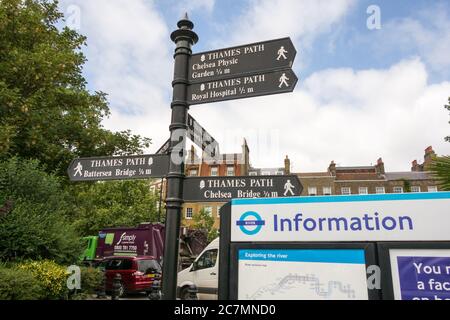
{"x":118,"y":264}
{"x":149,"y":266}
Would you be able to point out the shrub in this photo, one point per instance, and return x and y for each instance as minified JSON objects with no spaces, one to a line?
{"x":91,"y":279}
{"x":51,"y":276}
{"x":35,"y":215}
{"x":19,"y":284}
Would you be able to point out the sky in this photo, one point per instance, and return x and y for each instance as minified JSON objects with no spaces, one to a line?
{"x":374,"y":76}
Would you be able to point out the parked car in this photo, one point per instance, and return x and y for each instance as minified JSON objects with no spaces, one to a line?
{"x":203,"y":273}
{"x":138,"y":273}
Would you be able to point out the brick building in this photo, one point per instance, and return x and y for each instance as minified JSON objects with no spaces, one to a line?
{"x":334,"y":181}
{"x":229,"y":164}
{"x":369,"y":179}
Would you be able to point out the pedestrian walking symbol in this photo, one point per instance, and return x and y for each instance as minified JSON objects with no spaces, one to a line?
{"x":288,"y":187}
{"x":283,"y":80}
{"x":78,"y":170}
{"x":282,"y":53}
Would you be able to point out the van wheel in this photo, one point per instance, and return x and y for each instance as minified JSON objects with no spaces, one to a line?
{"x":184,"y":294}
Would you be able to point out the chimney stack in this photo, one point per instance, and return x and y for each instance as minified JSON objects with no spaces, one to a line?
{"x":415,"y":166}
{"x":380,"y":166}
{"x":332,"y":168}
{"x":287,"y":165}
{"x":428,"y":157}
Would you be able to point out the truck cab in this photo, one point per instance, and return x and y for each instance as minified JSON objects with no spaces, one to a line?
{"x":203,"y":273}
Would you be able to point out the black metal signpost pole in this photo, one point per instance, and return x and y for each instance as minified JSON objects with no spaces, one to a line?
{"x":184,"y":38}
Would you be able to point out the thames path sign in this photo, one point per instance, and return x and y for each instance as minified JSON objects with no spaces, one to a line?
{"x":119,"y":168}
{"x":251,"y":58}
{"x":242,"y":87}
{"x":223,"y":189}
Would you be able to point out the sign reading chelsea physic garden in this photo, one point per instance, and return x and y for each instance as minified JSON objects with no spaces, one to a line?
{"x":250,"y":58}
{"x":119,"y":168}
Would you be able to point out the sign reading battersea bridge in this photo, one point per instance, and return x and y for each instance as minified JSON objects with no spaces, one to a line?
{"x":222,"y":189}
{"x":119,"y":168}
{"x":250,"y":58}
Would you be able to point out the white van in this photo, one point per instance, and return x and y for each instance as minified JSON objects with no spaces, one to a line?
{"x":203,"y":273}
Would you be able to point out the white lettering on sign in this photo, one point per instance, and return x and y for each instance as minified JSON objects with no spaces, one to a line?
{"x":126,"y":238}
{"x":136,"y":161}
{"x":106,"y":163}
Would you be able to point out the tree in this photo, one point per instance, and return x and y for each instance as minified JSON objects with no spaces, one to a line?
{"x":203,"y":220}
{"x":447,"y":106}
{"x":441,"y":171}
{"x":113,"y":204}
{"x":35,"y":217}
{"x":441,"y":165}
{"x":46,"y":112}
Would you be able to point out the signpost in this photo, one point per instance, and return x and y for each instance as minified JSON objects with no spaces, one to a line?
{"x":251,"y":58}
{"x":118,"y":168}
{"x":223,"y":189}
{"x":201,"y":137}
{"x":239,"y":72}
{"x":242,"y":87}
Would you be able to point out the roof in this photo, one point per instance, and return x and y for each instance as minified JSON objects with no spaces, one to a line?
{"x":358,"y":176}
{"x":314,"y":175}
{"x":371,"y":168}
{"x":409,"y":175}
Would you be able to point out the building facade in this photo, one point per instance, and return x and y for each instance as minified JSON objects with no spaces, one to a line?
{"x":369,"y":179}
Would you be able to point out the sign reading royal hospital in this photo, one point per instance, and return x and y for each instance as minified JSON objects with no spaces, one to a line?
{"x":381,"y":217}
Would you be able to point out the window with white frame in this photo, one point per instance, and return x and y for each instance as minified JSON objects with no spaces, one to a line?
{"x":230,"y":171}
{"x":415,"y":188}
{"x":253,"y":173}
{"x":214,"y":171}
{"x":265,"y":173}
{"x":218,"y":211}
{"x":363,"y":190}
{"x":432,"y":189}
{"x":380,"y":190}
{"x":398,"y":189}
{"x":312,"y":191}
{"x":280,"y":173}
{"x":189,"y":213}
{"x":208,"y":210}
{"x":193,"y":172}
{"x":346,"y":190}
{"x":326,"y":191}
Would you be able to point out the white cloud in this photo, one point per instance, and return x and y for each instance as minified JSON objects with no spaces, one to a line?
{"x":428,"y":34}
{"x":194,"y":5}
{"x":352,"y":117}
{"x":130,"y":58}
{"x":343,"y":115}
{"x":267,"y":19}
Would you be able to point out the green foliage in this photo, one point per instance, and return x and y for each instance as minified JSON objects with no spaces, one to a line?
{"x":447,"y":106}
{"x":51,"y":276}
{"x":91,"y":279}
{"x":406,"y":185}
{"x":34,"y":222}
{"x":113,"y":204}
{"x":46,"y":112}
{"x":205,"y":221}
{"x":441,"y":171}
{"x":19,"y":284}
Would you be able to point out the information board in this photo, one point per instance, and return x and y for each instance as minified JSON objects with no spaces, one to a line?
{"x":302,"y":274}
{"x":420,"y":274}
